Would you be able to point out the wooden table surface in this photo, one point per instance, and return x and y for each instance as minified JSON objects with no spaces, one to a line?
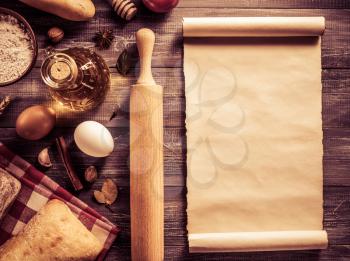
{"x":168,"y":72}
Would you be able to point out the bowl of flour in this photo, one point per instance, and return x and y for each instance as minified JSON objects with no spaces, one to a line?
{"x":18,"y":47}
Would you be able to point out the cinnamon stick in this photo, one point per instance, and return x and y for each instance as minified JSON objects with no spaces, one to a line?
{"x":64,"y":154}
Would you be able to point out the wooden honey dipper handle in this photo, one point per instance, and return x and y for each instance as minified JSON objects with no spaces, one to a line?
{"x":146,"y":159}
{"x":126,"y":9}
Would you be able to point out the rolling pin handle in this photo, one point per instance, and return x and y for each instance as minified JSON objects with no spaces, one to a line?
{"x":145,"y":41}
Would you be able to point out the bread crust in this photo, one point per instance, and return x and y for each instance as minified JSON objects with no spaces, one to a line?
{"x":54,"y":233}
{"x":9,"y":189}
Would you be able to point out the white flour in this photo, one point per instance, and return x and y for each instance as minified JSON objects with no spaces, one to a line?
{"x":15,"y":49}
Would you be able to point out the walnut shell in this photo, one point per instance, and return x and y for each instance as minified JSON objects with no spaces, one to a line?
{"x":99,"y":196}
{"x":110,"y":191}
{"x":55,"y":34}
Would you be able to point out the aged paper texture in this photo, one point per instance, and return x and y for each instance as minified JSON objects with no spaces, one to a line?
{"x":254,"y":135}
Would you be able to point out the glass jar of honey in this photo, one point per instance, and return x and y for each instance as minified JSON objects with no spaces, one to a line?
{"x":77,"y":78}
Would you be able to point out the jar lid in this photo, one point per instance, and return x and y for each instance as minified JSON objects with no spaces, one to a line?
{"x":59,"y":70}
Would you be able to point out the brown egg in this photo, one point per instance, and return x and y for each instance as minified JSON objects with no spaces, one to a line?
{"x":35,"y":122}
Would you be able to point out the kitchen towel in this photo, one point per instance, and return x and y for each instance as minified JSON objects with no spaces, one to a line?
{"x":37,"y":189}
{"x":254,"y":133}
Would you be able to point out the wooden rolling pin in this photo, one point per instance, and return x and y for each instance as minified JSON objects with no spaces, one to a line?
{"x":146,"y":158}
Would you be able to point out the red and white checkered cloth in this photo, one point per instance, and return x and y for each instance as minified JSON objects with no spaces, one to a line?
{"x":37,"y":189}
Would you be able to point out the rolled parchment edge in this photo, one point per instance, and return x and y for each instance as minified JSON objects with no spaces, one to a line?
{"x":257,"y":241}
{"x":253,"y":26}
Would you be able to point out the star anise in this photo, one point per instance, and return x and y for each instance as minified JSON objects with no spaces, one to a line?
{"x":103,"y":39}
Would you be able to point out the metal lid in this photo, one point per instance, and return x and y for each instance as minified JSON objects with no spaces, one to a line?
{"x":59,"y":71}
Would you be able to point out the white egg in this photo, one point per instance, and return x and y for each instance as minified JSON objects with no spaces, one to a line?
{"x":94,"y":139}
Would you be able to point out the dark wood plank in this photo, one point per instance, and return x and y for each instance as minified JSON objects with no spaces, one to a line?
{"x":168,"y":72}
{"x":338,"y":4}
{"x":336,"y":99}
{"x":31,"y":90}
{"x":276,"y":4}
{"x":180,"y":253}
{"x":336,"y":81}
{"x":336,"y":207}
{"x":168,"y":49}
{"x":336,"y":155}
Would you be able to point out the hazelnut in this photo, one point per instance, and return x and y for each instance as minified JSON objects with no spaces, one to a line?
{"x":90,"y":174}
{"x":55,"y":34}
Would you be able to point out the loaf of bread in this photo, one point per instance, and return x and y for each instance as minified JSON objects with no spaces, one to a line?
{"x":9,"y":189}
{"x":54,"y":233}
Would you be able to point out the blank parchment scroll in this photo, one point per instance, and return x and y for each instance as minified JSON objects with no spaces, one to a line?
{"x":254,"y":133}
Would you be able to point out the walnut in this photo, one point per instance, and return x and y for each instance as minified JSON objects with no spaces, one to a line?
{"x":55,"y":34}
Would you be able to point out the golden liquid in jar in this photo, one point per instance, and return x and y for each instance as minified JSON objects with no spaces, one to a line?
{"x":79,"y":87}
